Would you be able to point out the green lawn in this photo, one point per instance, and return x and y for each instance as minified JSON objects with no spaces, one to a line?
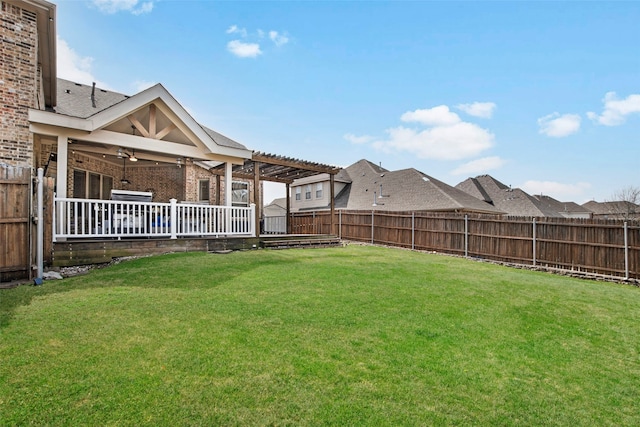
{"x":344,"y":336}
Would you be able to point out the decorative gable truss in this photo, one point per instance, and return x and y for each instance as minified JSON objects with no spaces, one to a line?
{"x":151,"y":124}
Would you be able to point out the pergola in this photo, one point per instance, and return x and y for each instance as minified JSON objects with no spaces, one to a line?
{"x":281,"y":169}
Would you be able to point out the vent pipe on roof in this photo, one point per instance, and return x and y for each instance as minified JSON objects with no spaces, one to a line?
{"x":93,"y":95}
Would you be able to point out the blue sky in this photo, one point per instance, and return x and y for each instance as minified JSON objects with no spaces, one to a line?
{"x":544,"y":96}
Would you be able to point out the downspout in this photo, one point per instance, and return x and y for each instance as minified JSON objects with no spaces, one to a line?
{"x":40,"y":228}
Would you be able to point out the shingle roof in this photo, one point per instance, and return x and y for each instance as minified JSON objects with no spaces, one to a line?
{"x":513,"y":201}
{"x":404,"y":190}
{"x":614,"y":209}
{"x":280,"y":202}
{"x":74,"y":99}
{"x":564,"y":208}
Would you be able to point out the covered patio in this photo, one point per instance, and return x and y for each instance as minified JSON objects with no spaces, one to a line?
{"x":141,"y":168}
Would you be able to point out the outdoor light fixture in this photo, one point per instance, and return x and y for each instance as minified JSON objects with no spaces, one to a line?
{"x":124,"y":180}
{"x":122,"y":154}
{"x":179,"y":162}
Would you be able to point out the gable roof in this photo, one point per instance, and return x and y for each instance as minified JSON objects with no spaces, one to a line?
{"x":74,"y":99}
{"x":513,"y":201}
{"x":99,"y":120}
{"x":280,"y":202}
{"x":564,"y":208}
{"x":374,"y":187}
{"x":614,"y":209}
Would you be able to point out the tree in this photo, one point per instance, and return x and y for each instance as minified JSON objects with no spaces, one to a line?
{"x":625,"y":203}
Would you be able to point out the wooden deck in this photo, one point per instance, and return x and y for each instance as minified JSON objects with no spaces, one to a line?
{"x":83,"y":252}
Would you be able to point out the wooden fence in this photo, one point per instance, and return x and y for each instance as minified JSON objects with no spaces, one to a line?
{"x":17,"y":230}
{"x":604,"y":247}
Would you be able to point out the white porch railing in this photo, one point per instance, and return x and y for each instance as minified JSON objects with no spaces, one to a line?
{"x":91,"y":218}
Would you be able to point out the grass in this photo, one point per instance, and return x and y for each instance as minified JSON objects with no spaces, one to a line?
{"x":345,"y":336}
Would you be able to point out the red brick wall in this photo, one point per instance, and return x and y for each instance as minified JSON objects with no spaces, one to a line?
{"x":18,"y":83}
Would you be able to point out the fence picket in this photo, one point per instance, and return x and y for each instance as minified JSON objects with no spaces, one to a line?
{"x":605,"y":247}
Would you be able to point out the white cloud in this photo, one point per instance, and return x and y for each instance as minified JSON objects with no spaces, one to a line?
{"x":235,"y":30}
{"x":479,"y":166}
{"x":436,"y":116}
{"x":244,"y":50}
{"x":136,"y":7}
{"x":354,"y":139}
{"x":558,"y":126}
{"x":278,"y":39}
{"x":556,"y":189}
{"x":478,"y":109}
{"x":453,"y":142}
{"x":616,"y":110}
{"x":71,"y":66}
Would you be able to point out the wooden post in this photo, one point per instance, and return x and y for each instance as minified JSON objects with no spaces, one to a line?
{"x":466,"y":235}
{"x":256,"y":196}
{"x":287,"y":219}
{"x":218,"y":191}
{"x":534,"y":241}
{"x":332,"y":203}
{"x":228,"y":179}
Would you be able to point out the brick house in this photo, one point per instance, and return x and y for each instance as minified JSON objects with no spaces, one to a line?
{"x":93,"y":144}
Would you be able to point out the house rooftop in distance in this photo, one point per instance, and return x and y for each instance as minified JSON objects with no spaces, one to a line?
{"x":566,"y":209}
{"x":513,"y":201}
{"x":371,"y":186}
{"x":613,"y":210}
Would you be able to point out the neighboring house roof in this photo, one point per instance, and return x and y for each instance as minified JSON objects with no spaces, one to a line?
{"x":374,"y":187}
{"x":513,"y":201}
{"x":564,"y":208}
{"x":280,"y":202}
{"x":615,"y":209}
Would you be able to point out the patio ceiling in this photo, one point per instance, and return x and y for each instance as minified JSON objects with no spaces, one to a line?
{"x":276,"y":168}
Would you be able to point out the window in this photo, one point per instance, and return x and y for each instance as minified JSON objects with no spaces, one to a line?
{"x":298,"y":193}
{"x":203,"y":190}
{"x":307,"y":192}
{"x":239,"y":193}
{"x":319,"y":190}
{"x":91,"y":185}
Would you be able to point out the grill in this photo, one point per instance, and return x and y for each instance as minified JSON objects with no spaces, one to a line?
{"x":131,"y":196}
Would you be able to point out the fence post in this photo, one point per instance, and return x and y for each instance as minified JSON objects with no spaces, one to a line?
{"x":466,"y":235}
{"x":413,"y":230}
{"x":315,"y":226}
{"x":340,"y":224}
{"x":534,"y":241}
{"x":173,"y":218}
{"x":626,"y":251}
{"x":372,"y":227}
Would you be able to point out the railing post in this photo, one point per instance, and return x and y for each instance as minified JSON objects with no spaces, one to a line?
{"x":54,"y":219}
{"x":466,"y":235}
{"x":534,"y":241}
{"x":174,"y":218}
{"x":626,"y":250}
{"x":252,"y":212}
